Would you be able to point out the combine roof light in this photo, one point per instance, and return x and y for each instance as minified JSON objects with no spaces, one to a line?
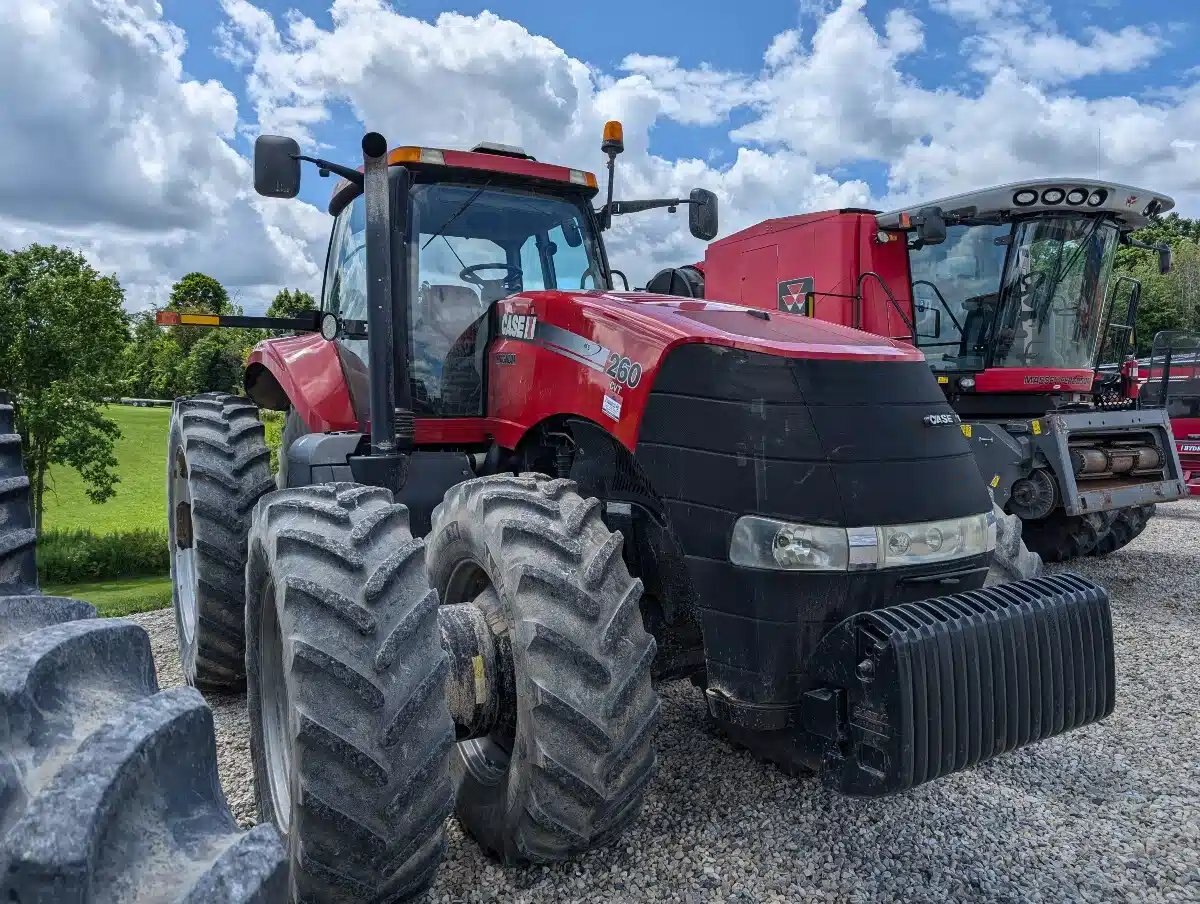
{"x":1053,"y":196}
{"x":1076,"y":196}
{"x":1098,"y":197}
{"x":1025,"y":197}
{"x":1152,"y":208}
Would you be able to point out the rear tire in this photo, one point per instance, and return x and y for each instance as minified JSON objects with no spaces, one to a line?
{"x":570,"y":773}
{"x":349,"y":729}
{"x":218,"y":467}
{"x":18,"y":564}
{"x":1061,"y":537}
{"x":1126,"y":526}
{"x":108,"y":786}
{"x":1013,"y":560}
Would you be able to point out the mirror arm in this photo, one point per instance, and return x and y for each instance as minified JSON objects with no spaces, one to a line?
{"x":326,"y":167}
{"x":620,"y":207}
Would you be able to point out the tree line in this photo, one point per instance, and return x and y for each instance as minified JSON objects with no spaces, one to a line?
{"x":68,"y":347}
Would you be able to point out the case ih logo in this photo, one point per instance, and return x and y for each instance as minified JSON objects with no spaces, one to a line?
{"x":941,"y":420}
{"x":791,"y":295}
{"x":518,"y":326}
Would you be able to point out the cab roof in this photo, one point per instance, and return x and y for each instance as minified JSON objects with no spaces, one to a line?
{"x":1132,"y":207}
{"x":485,"y":157}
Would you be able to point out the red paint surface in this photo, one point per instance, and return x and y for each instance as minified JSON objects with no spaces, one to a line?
{"x":1187,"y":443}
{"x":543,"y":384}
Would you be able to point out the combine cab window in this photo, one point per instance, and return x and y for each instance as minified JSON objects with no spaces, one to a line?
{"x":1054,"y":293}
{"x":1029,"y":295}
{"x":960,"y":281}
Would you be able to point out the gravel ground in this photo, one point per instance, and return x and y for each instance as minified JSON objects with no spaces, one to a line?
{"x":1109,"y":813}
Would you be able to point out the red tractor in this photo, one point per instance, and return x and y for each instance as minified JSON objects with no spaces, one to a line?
{"x":1009,"y":292}
{"x":513,"y":499}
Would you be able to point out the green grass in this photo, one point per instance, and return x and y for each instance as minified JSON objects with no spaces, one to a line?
{"x":122,"y":597}
{"x":141,"y":496}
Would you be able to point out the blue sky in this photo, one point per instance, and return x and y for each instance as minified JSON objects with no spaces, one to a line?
{"x":779,"y":106}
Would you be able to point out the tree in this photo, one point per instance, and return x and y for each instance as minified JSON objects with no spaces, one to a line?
{"x":290,"y":303}
{"x":214,"y":363}
{"x":199,"y":293}
{"x":1169,"y":301}
{"x":62,"y":334}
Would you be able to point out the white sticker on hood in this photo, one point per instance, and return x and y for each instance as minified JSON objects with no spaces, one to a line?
{"x":612,"y":407}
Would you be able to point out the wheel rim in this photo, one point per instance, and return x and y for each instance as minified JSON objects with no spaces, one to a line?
{"x":486,"y":760}
{"x":274,"y":708}
{"x":183,"y":550}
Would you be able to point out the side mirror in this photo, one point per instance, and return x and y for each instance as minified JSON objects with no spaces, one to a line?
{"x":276,"y":166}
{"x":702,"y":214}
{"x":1164,"y":259}
{"x":930,"y":225}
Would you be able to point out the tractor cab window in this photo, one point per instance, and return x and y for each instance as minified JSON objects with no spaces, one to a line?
{"x":956,"y":287}
{"x":471,"y":246}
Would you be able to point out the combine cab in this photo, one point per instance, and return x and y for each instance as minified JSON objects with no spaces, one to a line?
{"x":1009,"y":293}
{"x":513,"y":500}
{"x":1172,"y":381}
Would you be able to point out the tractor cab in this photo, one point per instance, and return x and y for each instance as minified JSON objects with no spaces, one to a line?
{"x":1171,"y":380}
{"x":1012,"y":287}
{"x":480,"y":225}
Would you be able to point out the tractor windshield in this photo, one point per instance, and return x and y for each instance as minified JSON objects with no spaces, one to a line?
{"x":469,"y":246}
{"x":1027,"y":295}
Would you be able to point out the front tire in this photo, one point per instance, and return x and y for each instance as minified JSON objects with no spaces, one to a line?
{"x":350,"y":734}
{"x":218,"y":466}
{"x":568,"y":770}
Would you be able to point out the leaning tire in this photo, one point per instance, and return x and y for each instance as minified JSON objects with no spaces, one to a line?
{"x":1127,"y":524}
{"x":1061,"y":537}
{"x":218,"y":468}
{"x":18,"y":566}
{"x":108,"y":786}
{"x":1012,"y":560}
{"x":570,"y":773}
{"x":349,"y":730}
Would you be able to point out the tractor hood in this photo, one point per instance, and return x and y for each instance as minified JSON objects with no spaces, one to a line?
{"x":673,"y":320}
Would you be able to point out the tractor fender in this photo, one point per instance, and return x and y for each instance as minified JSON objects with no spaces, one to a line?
{"x":304,"y":373}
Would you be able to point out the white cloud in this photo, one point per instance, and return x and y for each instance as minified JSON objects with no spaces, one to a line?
{"x":146,"y":179}
{"x":108,"y":146}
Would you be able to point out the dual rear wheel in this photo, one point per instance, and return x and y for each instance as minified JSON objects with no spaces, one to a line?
{"x":364,"y":732}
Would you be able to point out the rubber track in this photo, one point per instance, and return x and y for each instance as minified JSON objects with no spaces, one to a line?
{"x":229,"y":469}
{"x":1127,"y":525}
{"x":366,"y":672}
{"x":1060,"y":537}
{"x":108,"y":787}
{"x":582,"y":660}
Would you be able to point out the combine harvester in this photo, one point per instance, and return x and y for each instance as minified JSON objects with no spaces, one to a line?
{"x":1009,"y":292}
{"x":513,"y":500}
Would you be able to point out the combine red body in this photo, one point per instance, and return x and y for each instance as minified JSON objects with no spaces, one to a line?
{"x":836,"y":254}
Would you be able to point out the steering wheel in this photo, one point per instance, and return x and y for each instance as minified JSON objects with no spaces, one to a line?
{"x":493,"y":289}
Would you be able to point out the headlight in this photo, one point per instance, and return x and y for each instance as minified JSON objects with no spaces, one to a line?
{"x":782,"y":545}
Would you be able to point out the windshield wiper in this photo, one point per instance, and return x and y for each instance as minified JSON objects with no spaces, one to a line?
{"x":454,"y":216}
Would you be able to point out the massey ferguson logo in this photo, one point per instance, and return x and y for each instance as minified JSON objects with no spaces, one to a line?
{"x":518,"y":326}
{"x":792,"y":294}
{"x":940,"y":420}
